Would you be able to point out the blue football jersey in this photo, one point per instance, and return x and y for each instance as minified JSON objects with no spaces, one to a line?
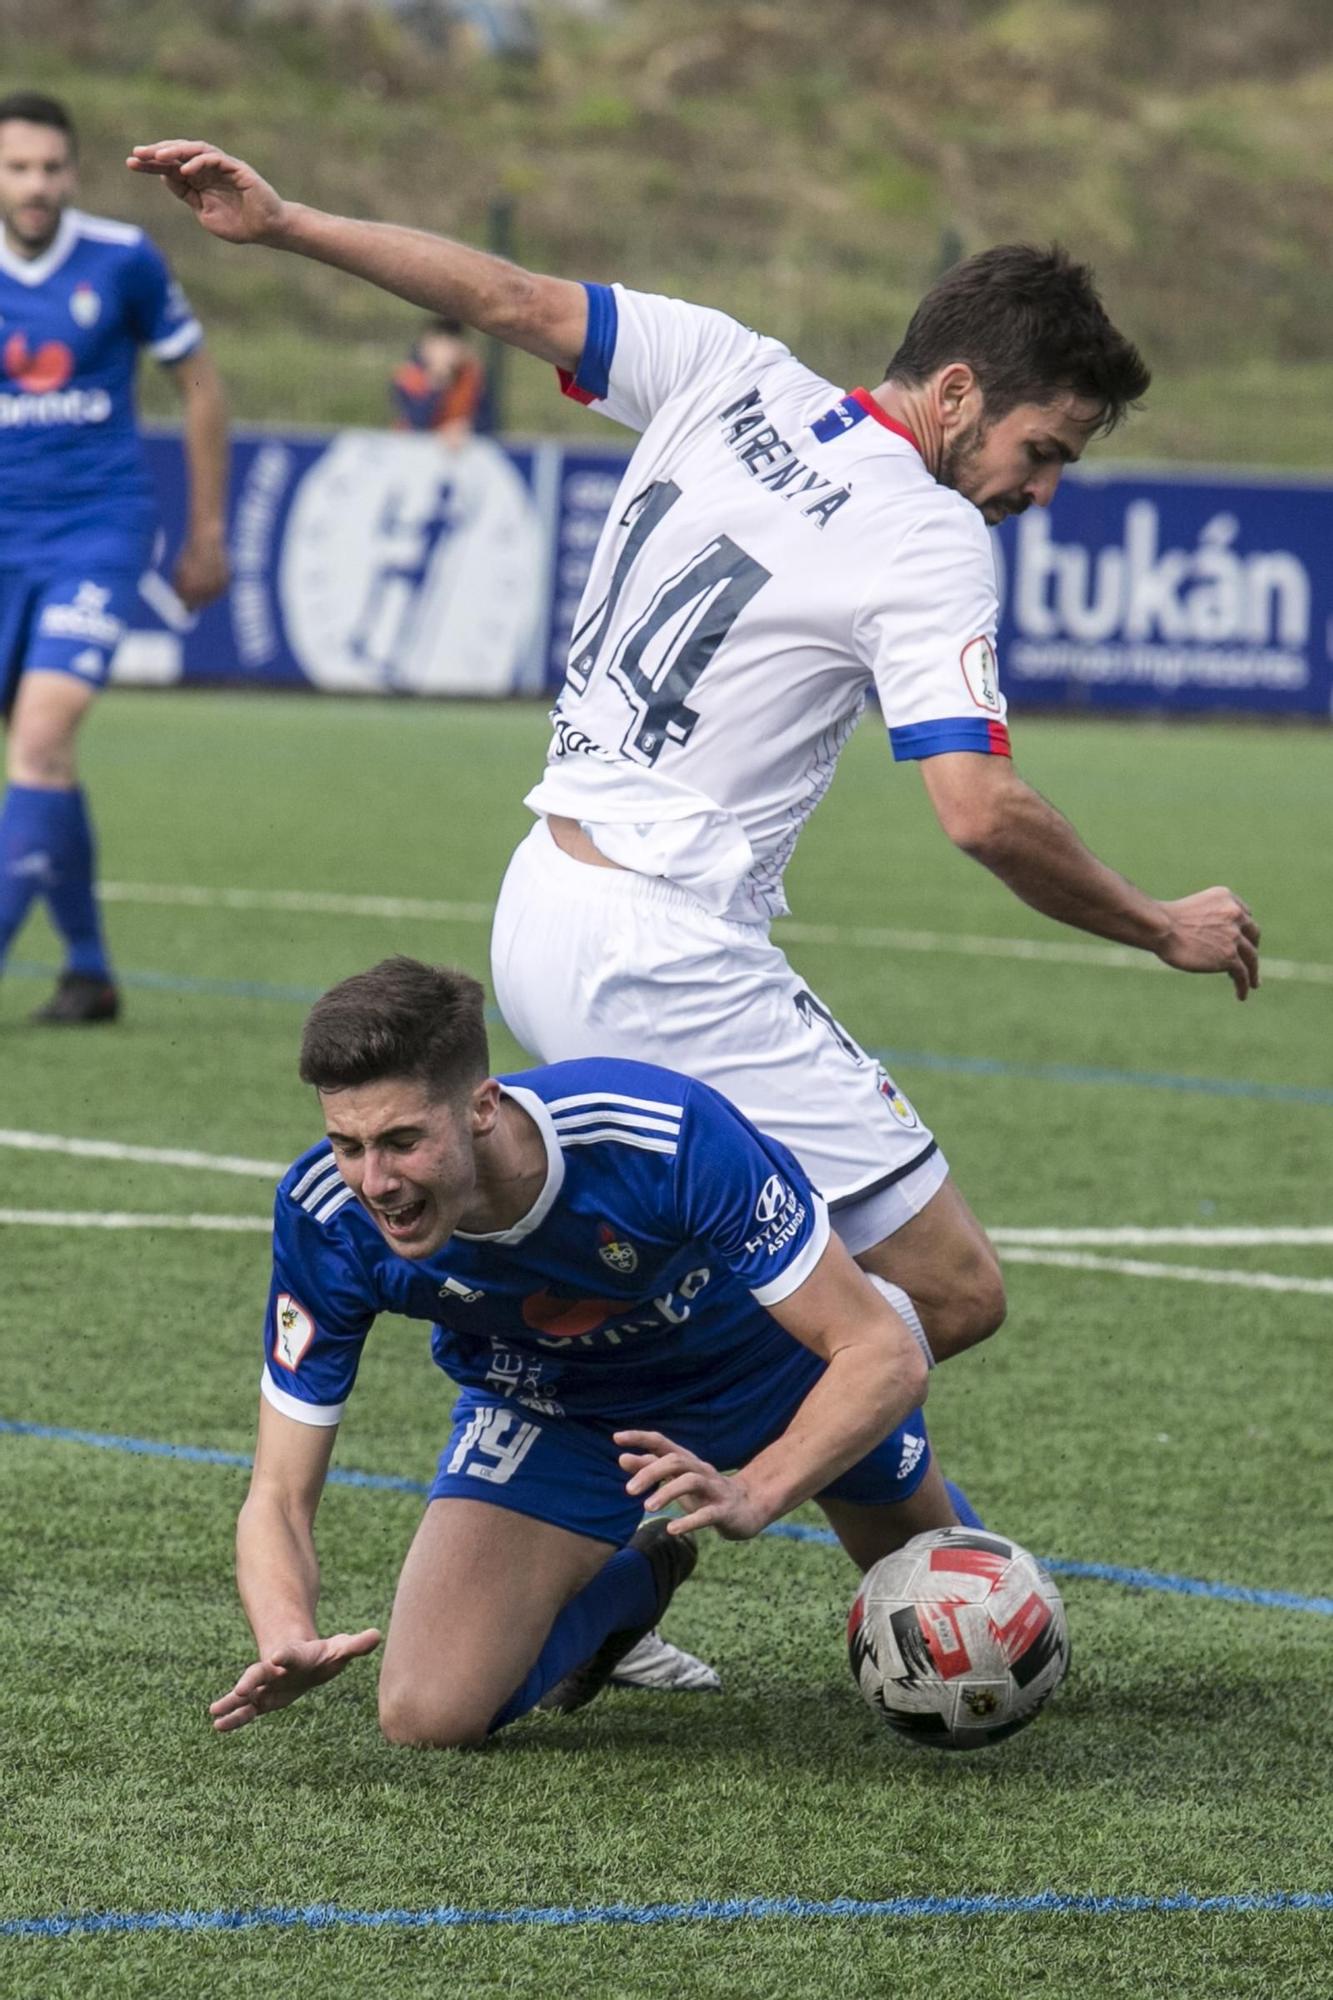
{"x":636,"y":1284}
{"x":72,"y":322}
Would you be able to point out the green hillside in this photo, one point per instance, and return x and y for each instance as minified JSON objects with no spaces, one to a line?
{"x":802,"y":166}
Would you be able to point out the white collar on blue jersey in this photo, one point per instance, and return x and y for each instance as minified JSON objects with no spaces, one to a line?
{"x":528,"y":1101}
{"x":36,"y":270}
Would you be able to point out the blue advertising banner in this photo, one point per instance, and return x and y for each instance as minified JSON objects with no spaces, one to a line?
{"x":375,"y":562}
{"x":1187,"y":594}
{"x":365,"y":562}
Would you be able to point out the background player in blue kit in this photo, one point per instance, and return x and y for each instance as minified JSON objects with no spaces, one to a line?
{"x":79,"y":296}
{"x":635,"y":1290}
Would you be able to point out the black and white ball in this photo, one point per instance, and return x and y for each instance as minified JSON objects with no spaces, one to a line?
{"x":958,"y":1638}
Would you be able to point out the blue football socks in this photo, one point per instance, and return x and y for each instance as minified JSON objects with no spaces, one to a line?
{"x":46,"y":848}
{"x":620,"y":1596}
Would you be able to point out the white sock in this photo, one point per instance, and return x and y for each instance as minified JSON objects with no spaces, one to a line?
{"x":906,"y":1312}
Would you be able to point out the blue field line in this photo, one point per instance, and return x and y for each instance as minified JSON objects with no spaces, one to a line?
{"x":1125,"y":1079}
{"x":184,"y":982}
{"x":730,"y":1910}
{"x":197,"y":1454}
{"x":787,"y":1531}
{"x":981,"y":1066}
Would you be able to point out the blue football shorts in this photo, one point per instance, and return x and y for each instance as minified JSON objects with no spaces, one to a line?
{"x":63,"y":621}
{"x":565,"y":1470}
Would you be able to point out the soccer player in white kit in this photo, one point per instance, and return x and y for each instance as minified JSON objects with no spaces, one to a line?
{"x":778,"y":548}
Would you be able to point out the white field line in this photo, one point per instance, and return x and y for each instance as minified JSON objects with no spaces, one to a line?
{"x":155,"y":1156}
{"x":314,"y":902}
{"x":1111,"y":957}
{"x":1012,"y":1252}
{"x":417,"y":908}
{"x":1200,"y":1238}
{"x":55,"y":1218}
{"x":1190,"y":1274}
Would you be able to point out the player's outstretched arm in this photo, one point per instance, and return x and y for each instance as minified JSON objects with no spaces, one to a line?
{"x":875,"y":1377}
{"x":277,"y":1572}
{"x":547,"y":317}
{"x":987,"y":810}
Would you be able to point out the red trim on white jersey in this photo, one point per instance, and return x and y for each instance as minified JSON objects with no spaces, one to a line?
{"x":872,"y":409}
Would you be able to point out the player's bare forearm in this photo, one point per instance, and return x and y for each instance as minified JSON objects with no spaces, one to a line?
{"x":277,"y":1571}
{"x":864,"y":1393}
{"x":993,"y":815}
{"x":1037,"y":854}
{"x":875,"y":1375}
{"x":547,"y":317}
{"x":857,"y":1402}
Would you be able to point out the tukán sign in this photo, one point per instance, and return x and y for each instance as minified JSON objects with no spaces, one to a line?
{"x":372,"y":562}
{"x":1170,"y":593}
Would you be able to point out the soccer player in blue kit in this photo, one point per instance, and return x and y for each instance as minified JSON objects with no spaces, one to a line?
{"x":79,"y":296}
{"x":635,"y":1291}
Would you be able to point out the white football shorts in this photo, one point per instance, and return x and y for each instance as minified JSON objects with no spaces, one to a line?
{"x":592,"y":961}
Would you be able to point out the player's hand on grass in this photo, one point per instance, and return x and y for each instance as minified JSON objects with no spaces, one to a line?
{"x":1213,"y":932}
{"x":663,"y":1472}
{"x":287,"y":1674}
{"x":229,"y":198}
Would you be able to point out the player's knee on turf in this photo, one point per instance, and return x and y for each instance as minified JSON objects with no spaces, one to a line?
{"x":431,"y":1721}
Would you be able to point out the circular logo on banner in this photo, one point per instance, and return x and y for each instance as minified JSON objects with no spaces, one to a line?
{"x":409,"y":567}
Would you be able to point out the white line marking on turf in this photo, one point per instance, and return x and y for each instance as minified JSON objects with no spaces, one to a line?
{"x":1112,"y":957}
{"x":1195,"y":1274}
{"x":57,"y":1218}
{"x":1222,"y":1238}
{"x":968,"y":945}
{"x":313,"y":902}
{"x":156,"y":1156}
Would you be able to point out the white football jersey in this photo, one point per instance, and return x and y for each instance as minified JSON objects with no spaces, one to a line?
{"x":775,"y":549}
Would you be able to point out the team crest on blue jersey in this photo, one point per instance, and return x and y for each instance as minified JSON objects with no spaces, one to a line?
{"x":616,"y":1253}
{"x":85,"y":307}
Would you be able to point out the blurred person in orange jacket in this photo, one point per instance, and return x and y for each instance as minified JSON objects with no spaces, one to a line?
{"x":442,"y":385}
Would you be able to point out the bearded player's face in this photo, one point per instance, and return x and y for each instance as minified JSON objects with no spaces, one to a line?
{"x":36,"y":182}
{"x":1007,"y":464}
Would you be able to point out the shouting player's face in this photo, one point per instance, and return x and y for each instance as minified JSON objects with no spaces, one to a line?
{"x":1006,"y":465}
{"x":411,"y":1158}
{"x":36,"y":182}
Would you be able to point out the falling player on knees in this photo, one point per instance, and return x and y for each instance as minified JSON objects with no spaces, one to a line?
{"x":634,"y":1290}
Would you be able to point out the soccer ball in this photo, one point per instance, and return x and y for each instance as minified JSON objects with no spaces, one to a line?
{"x":958,"y":1638}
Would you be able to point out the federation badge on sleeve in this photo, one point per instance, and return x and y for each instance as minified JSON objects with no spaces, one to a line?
{"x":981,"y":671}
{"x":293,"y":1331}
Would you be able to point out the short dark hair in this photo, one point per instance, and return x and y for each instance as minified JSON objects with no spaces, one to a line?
{"x":1030,"y":325}
{"x":400,"y":1019}
{"x":439,"y":324}
{"x":34,"y":109}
